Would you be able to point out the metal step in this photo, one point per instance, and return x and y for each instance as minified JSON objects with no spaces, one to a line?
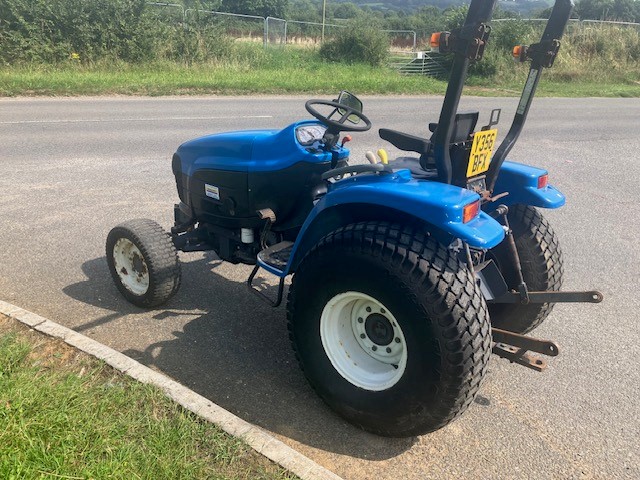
{"x":275,"y":258}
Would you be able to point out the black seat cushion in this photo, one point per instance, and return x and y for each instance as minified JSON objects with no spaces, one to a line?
{"x":413,"y":165}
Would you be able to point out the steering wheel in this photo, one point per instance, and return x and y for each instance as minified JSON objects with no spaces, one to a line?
{"x":338,"y":125}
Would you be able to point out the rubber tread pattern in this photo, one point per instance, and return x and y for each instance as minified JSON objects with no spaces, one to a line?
{"x":432,"y":278}
{"x":542,"y":269}
{"x":159,"y":254}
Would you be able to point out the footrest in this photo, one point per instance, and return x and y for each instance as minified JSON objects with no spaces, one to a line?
{"x":275,"y":258}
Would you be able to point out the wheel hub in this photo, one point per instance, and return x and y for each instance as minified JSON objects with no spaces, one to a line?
{"x":363,"y":340}
{"x":378,"y":329}
{"x":130,"y":265}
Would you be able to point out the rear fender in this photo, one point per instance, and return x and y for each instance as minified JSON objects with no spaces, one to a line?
{"x":397,"y":198}
{"x":521,"y":182}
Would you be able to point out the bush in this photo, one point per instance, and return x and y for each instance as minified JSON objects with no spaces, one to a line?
{"x":53,"y":31}
{"x":361,"y":42}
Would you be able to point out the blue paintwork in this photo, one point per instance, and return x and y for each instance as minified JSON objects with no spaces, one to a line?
{"x":270,"y":268}
{"x":436,"y":203}
{"x":521,"y":181}
{"x":250,"y":151}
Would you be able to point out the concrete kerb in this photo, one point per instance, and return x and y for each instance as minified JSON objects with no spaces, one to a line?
{"x":254,"y":436}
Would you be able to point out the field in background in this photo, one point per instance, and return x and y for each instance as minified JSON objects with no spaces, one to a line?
{"x":592,"y":63}
{"x":133,"y":48}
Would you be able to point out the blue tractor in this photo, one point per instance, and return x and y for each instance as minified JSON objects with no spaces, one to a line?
{"x":406,"y":273}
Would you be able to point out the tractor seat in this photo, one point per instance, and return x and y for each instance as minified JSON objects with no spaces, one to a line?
{"x":410,"y":143}
{"x":413,"y":165}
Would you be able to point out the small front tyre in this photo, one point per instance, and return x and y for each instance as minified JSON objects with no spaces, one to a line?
{"x":389,"y":328}
{"x":143,"y":262}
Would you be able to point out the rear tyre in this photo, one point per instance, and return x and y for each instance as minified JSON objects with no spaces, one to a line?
{"x":143,"y":262}
{"x":389,"y":328}
{"x":541,"y":262}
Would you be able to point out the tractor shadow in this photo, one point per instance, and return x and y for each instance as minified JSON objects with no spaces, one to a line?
{"x":234,"y":351}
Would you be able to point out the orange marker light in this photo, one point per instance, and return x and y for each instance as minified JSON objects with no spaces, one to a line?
{"x":435,"y":40}
{"x":517,"y":51}
{"x":470,"y":211}
{"x":543,"y":180}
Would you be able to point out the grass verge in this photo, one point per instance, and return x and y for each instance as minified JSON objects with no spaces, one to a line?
{"x":292,"y":71}
{"x":64,"y":414}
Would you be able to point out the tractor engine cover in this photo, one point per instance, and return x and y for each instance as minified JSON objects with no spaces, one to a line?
{"x":226,"y":178}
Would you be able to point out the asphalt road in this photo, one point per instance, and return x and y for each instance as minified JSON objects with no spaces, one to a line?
{"x":74,"y":168}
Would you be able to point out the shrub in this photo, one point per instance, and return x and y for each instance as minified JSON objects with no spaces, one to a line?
{"x":52,"y":31}
{"x":361,"y":42}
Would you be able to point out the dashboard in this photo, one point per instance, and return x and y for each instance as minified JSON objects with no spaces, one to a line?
{"x":309,"y":135}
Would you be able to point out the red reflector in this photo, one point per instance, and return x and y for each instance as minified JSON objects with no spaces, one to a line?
{"x":543,"y":180}
{"x":470,"y":211}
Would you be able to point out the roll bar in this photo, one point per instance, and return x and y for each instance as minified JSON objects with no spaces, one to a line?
{"x":468,"y":44}
{"x":542,"y":55}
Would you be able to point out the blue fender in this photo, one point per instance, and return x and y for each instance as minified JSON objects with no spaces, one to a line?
{"x":437,"y":204}
{"x":521,"y":182}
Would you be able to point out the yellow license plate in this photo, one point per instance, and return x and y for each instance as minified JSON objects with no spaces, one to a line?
{"x":481,"y":150}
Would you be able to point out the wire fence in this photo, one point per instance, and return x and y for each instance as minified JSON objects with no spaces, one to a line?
{"x":277,"y":31}
{"x":272,"y":30}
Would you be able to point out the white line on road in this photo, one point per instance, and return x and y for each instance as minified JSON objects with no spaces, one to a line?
{"x":154,"y":119}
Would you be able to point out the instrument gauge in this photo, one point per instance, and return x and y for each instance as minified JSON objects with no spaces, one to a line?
{"x":307,"y":135}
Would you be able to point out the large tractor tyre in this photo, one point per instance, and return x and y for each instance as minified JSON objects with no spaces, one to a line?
{"x":389,"y":328}
{"x":541,"y":262}
{"x":143,"y":262}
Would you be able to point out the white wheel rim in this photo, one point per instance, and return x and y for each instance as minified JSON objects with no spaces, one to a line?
{"x":130,"y":266}
{"x":355,"y":329}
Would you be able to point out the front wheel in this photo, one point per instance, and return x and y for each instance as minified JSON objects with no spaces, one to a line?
{"x":389,"y":328}
{"x":143,"y":262}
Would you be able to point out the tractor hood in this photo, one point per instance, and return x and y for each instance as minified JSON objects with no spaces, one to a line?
{"x":222,"y":151}
{"x":250,"y":151}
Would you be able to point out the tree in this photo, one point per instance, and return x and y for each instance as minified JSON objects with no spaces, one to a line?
{"x":261,"y":8}
{"x":346,"y":10}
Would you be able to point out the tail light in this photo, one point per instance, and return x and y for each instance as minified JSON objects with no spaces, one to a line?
{"x":470,"y":211}
{"x":543,"y":180}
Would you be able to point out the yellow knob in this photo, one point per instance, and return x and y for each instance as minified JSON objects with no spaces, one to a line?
{"x":384,"y":158}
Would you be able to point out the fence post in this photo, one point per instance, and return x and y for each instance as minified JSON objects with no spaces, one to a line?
{"x":265,"y":40}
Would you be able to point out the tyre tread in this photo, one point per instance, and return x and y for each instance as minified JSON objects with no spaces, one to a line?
{"x":447,"y":289}
{"x":160,"y":256}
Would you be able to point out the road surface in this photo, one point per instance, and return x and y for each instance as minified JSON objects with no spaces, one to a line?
{"x":74,"y":168}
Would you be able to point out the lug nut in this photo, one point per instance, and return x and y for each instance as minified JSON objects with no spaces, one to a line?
{"x":360,"y":320}
{"x":362,"y":335}
{"x":388,"y":350}
{"x":382,"y":310}
{"x":368,"y":309}
{"x":397,"y":340}
{"x":374,"y":348}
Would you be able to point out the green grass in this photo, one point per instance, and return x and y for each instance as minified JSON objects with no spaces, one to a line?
{"x":169,"y":78}
{"x":234,"y":79}
{"x":66,"y":415}
{"x":295,"y":70}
